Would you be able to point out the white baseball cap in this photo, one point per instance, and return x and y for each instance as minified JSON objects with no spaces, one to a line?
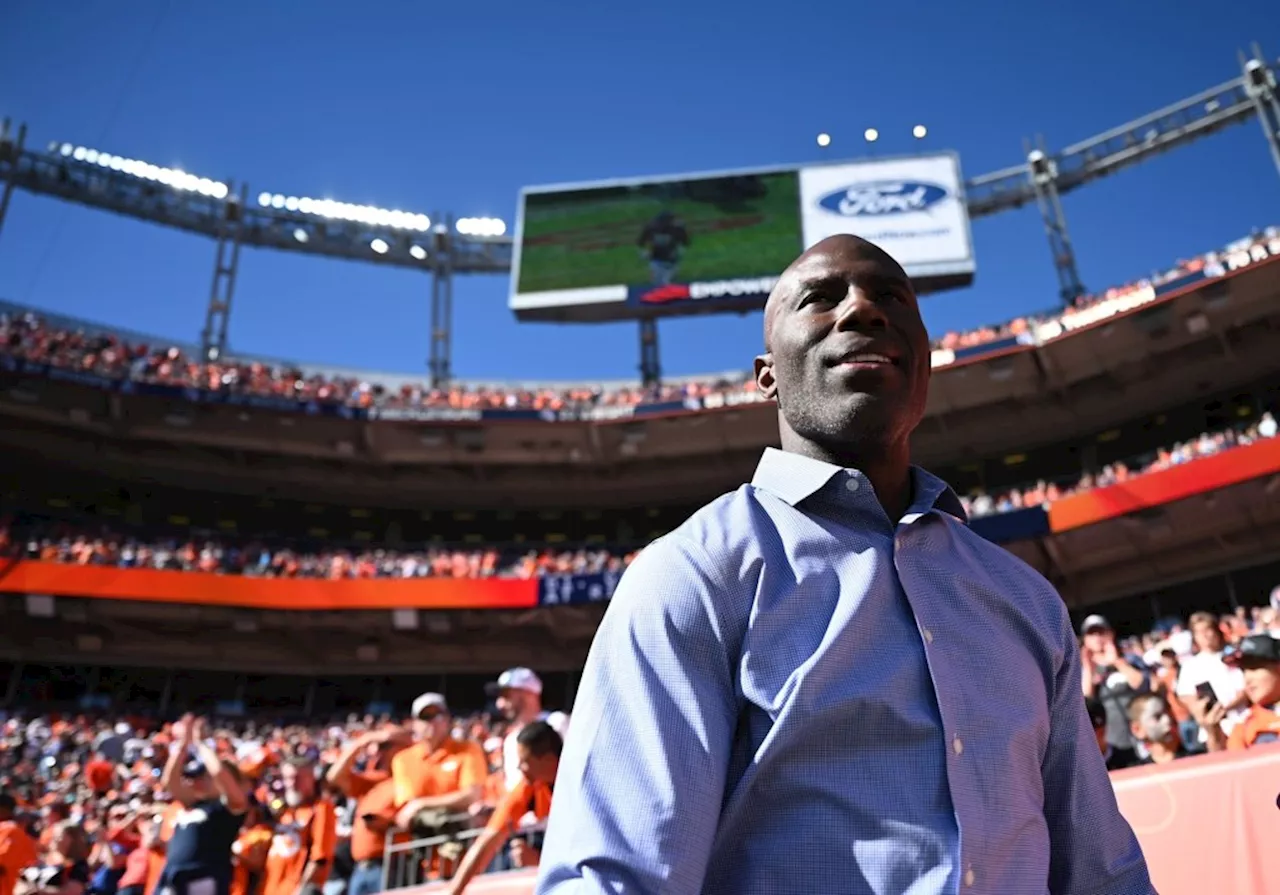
{"x":516,"y":679}
{"x":428,"y":701}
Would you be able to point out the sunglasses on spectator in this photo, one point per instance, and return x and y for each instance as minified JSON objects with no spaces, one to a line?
{"x":429,"y":714}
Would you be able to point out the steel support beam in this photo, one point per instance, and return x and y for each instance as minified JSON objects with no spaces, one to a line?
{"x":1260,"y":86}
{"x":226,"y":263}
{"x":10,"y":152}
{"x":650,"y":359}
{"x":1042,"y":171}
{"x":440,"y":361}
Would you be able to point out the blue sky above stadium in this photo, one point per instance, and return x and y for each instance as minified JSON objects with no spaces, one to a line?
{"x":433,"y":107}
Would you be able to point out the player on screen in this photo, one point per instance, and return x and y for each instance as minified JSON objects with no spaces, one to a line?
{"x":662,"y":242}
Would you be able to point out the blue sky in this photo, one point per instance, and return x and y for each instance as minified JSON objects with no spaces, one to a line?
{"x":433,"y":107}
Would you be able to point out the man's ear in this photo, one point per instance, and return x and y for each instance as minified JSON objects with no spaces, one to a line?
{"x":765,"y":383}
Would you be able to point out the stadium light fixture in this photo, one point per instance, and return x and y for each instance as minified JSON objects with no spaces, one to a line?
{"x":919,"y":132}
{"x":824,"y":140}
{"x":417,"y":252}
{"x":174,"y":178}
{"x":481,"y":226}
{"x":380,"y":246}
{"x":344,"y":211}
{"x":871,"y":135}
{"x":300,"y":235}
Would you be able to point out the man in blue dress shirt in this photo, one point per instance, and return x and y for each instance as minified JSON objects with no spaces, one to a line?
{"x":825,"y":682}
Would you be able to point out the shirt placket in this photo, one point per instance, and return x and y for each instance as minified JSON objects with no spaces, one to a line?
{"x":910,"y":542}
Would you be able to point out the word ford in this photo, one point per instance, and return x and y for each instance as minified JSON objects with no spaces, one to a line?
{"x":882,"y":197}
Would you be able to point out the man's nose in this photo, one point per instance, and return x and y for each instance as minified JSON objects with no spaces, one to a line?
{"x":860,"y":310}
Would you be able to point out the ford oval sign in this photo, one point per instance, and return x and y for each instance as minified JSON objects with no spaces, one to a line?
{"x":882,"y":197}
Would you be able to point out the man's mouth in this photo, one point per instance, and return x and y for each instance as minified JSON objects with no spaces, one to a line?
{"x":866,"y":360}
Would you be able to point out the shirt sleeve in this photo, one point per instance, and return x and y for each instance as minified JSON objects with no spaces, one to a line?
{"x":504,"y":816}
{"x":1092,"y":848}
{"x":641,"y":782}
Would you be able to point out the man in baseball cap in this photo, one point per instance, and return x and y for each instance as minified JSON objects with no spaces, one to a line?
{"x":1258,"y":657}
{"x":519,"y":700}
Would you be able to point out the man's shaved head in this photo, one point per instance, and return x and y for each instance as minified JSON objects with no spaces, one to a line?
{"x":846,"y":353}
{"x":840,"y":242}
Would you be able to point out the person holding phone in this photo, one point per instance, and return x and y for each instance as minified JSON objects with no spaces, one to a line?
{"x":1113,"y":679}
{"x":1212,"y":689}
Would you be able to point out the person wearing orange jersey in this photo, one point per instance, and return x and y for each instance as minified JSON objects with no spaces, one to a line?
{"x":17,"y":849}
{"x":438,"y":779}
{"x":375,"y":793}
{"x":250,"y":852}
{"x":538,"y":746}
{"x":305,"y":835}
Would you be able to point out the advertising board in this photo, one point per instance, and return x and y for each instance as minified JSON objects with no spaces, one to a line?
{"x":717,"y":242}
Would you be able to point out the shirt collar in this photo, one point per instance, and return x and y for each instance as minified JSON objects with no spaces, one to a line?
{"x":794,"y":477}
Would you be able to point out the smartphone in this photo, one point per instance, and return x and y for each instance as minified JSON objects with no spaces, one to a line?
{"x":1205,"y":692}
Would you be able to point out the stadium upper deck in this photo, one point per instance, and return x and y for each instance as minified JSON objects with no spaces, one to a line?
{"x":92,"y":351}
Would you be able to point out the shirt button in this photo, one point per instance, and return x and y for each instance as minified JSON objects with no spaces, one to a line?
{"x":852,"y":484}
{"x":969,"y":877}
{"x":957,"y":745}
{"x":928,"y":636}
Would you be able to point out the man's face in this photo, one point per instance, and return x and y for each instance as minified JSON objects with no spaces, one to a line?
{"x":538,"y":768}
{"x":1154,"y":725}
{"x":1207,"y":636}
{"x":847,"y":353}
{"x":431,"y":727}
{"x":511,"y":703}
{"x":1097,"y":639}
{"x":1262,"y":682}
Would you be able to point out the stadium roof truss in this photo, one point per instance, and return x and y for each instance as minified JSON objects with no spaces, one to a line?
{"x":443,"y":246}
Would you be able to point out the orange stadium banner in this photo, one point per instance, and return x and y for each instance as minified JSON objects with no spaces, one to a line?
{"x":151,"y":585}
{"x":1206,"y":474}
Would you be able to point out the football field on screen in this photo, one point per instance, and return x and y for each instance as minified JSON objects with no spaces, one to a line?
{"x":738,"y":226}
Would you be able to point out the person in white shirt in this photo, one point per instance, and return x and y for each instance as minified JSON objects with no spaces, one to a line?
{"x":1207,"y":667}
{"x":519,"y":699}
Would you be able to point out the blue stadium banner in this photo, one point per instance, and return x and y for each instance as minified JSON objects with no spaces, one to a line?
{"x":574,"y":590}
{"x":1020,"y":525}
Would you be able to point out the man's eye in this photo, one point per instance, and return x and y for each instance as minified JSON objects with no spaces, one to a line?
{"x":817,"y":298}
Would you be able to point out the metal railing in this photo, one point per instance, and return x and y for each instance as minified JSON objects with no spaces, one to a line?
{"x":436,"y":858}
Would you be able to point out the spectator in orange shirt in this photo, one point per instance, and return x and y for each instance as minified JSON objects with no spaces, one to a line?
{"x":438,"y":775}
{"x":1259,"y":658}
{"x":306,"y":835}
{"x":539,"y":747}
{"x":437,"y":780}
{"x":250,"y":851}
{"x":375,"y":793}
{"x":17,"y":849}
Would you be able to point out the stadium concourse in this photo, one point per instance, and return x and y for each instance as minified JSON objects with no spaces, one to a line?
{"x":330,"y":571}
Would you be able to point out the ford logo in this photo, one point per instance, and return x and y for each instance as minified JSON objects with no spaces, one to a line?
{"x":882,"y":197}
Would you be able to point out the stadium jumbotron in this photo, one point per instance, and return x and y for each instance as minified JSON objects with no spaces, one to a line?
{"x":327,"y":562}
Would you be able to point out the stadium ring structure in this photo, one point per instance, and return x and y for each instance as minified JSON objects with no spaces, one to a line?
{"x":1203,"y":329}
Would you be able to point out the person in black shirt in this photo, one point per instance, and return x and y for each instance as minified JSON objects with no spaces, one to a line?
{"x":663,"y":240}
{"x":214,"y":804}
{"x":1153,"y":726}
{"x":1113,"y":679}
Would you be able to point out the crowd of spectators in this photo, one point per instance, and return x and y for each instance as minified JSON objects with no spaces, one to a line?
{"x":1046,"y":492}
{"x":60,"y":542}
{"x":30,"y":337}
{"x":112,"y":804}
{"x":1210,"y":684}
{"x":139,"y":805}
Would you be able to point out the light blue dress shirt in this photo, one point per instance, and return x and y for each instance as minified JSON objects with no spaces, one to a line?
{"x":791,"y":694}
